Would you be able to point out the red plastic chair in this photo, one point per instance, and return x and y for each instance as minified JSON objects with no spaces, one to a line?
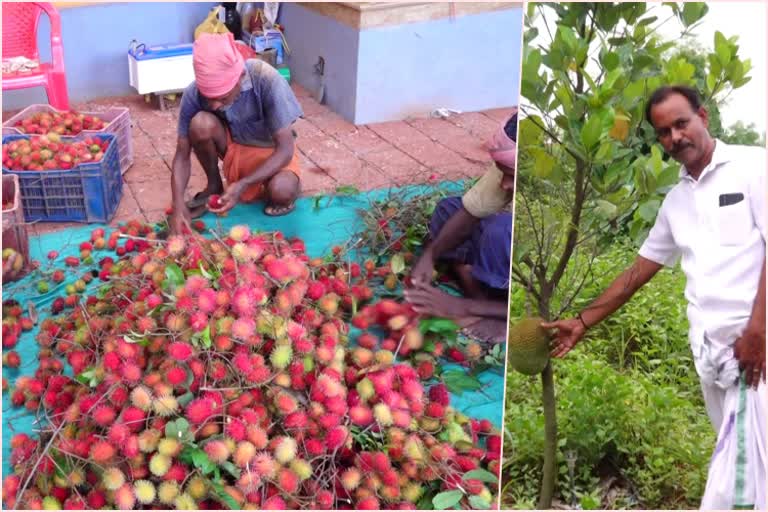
{"x":20,"y":21}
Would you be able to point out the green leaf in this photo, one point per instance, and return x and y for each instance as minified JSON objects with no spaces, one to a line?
{"x":590,"y":132}
{"x":185,"y":398}
{"x":543,"y":164}
{"x":425,"y":503}
{"x":438,"y":325}
{"x":230,"y":468}
{"x":174,"y":274}
{"x":447,"y":499}
{"x":478,"y":503}
{"x":482,"y":475}
{"x":722,"y":49}
{"x":610,"y":61}
{"x":228,"y":500}
{"x":606,"y":209}
{"x":205,"y":336}
{"x":693,"y":12}
{"x":397,"y":263}
{"x":347,"y":190}
{"x":649,"y":209}
{"x":457,"y":382}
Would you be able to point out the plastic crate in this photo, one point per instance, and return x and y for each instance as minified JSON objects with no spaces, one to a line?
{"x":87,"y":193}
{"x":14,"y":229}
{"x":117,"y":120}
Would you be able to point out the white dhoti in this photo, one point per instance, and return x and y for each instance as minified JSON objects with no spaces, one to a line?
{"x":739,"y":465}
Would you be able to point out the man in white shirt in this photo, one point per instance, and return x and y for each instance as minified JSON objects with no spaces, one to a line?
{"x":714,"y":219}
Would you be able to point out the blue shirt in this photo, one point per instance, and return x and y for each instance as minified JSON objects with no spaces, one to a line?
{"x":265,"y":105}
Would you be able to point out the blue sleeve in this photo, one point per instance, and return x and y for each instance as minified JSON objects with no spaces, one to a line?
{"x":190,"y":105}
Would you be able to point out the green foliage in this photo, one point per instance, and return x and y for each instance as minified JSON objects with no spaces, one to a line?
{"x":629,"y":404}
{"x":587,"y":154}
{"x":747,"y":135}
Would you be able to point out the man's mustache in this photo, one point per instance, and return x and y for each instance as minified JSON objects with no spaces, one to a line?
{"x":677,"y":148}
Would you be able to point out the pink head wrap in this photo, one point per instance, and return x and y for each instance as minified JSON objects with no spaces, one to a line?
{"x":217,"y":63}
{"x":503,"y":149}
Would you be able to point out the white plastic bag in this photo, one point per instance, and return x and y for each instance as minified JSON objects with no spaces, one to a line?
{"x":737,"y":470}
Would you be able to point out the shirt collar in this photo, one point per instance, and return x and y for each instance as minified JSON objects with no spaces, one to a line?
{"x":720,"y":156}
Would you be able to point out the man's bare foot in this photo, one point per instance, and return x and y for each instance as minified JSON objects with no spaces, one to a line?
{"x":487,"y":330}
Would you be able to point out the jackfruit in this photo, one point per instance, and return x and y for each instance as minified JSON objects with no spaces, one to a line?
{"x":528,"y":346}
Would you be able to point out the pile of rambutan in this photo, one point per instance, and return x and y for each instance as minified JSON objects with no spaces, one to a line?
{"x":221,"y":374}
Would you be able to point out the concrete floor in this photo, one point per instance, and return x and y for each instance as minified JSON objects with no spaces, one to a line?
{"x":333,"y":151}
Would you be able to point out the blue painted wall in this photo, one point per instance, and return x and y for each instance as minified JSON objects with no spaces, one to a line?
{"x":469,"y":63}
{"x":310,"y":36}
{"x":96,"y":40}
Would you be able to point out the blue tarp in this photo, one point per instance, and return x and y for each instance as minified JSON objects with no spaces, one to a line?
{"x":331,"y":223}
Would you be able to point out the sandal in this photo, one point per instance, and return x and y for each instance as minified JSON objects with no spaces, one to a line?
{"x":284,"y":210}
{"x":200,"y":199}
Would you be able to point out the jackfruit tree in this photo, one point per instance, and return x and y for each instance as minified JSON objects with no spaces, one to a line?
{"x":589,"y":166}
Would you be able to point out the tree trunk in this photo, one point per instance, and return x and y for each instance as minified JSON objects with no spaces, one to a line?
{"x":549,"y":470}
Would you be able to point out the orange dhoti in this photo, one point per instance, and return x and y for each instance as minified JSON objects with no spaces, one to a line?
{"x":242,"y":160}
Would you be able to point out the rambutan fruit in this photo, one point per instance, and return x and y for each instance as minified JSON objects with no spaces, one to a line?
{"x":351,"y":478}
{"x":264,"y":465}
{"x":167,"y":492}
{"x":130,"y":372}
{"x":314,"y":447}
{"x":199,"y":410}
{"x":148,"y":440}
{"x":370,"y":503}
{"x":145,"y":491}
{"x":360,"y":415}
{"x":274,"y":503}
{"x":257,"y":436}
{"x":124,"y":497}
{"x":141,"y":398}
{"x":285,"y":449}
{"x":439,"y":394}
{"x":102,"y":452}
{"x":165,"y":405}
{"x":240,"y":233}
{"x":243,"y":328}
{"x":112,"y":478}
{"x":435,"y":410}
{"x":365,"y":389}
{"x":285,"y":403}
{"x":324,"y":499}
{"x":248,"y":482}
{"x":336,"y":437}
{"x":235,"y":428}
{"x":169,"y":446}
{"x":301,"y":468}
{"x":185,"y":502}
{"x":159,"y":464}
{"x":382,"y":414}
{"x":175,"y":375}
{"x":198,"y":321}
{"x":180,"y":351}
{"x":103,"y":415}
{"x":244,"y":453}
{"x":197,"y":488}
{"x":281,"y":356}
{"x":217,"y":451}
{"x":287,"y":480}
{"x":401,"y":418}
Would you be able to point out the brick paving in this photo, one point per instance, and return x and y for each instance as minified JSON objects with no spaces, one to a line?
{"x":333,"y":151}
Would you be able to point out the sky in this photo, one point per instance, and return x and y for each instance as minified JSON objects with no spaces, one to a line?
{"x":747,"y":19}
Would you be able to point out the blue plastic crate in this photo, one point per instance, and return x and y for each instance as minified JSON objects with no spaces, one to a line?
{"x":87,"y":193}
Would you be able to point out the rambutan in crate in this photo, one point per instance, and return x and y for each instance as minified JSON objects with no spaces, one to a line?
{"x":117,"y":120}
{"x":14,"y":230}
{"x":89,"y":192}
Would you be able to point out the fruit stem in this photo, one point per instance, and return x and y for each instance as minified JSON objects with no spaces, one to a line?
{"x":550,"y":439}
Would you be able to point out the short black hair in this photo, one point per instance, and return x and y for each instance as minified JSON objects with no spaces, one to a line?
{"x":662,"y":93}
{"x":511,"y":127}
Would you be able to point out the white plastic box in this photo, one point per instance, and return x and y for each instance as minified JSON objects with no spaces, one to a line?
{"x":160,"y":69}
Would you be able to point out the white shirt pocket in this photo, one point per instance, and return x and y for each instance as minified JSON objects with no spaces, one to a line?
{"x":735,"y":222}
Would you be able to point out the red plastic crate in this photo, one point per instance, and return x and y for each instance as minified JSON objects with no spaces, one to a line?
{"x":117,"y":120}
{"x":14,"y":229}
